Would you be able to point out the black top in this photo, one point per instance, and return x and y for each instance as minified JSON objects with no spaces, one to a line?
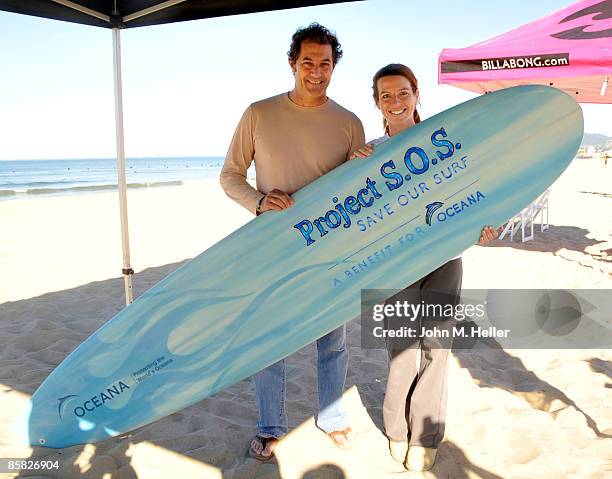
{"x":180,"y":12}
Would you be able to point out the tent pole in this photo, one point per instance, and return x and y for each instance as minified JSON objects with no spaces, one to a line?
{"x":125,"y":238}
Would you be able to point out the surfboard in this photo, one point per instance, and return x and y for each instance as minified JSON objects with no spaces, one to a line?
{"x":287,"y":278}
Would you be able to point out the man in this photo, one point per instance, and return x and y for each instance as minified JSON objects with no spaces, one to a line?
{"x":294,"y":138}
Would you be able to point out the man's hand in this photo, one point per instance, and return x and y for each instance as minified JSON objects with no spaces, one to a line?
{"x":276,"y":200}
{"x":363,"y":152}
{"x":488,"y":234}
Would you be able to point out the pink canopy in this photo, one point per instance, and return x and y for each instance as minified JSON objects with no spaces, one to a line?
{"x":570,"y":49}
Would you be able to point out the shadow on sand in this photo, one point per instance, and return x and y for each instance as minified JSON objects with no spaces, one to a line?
{"x":559,"y":240}
{"x":601,"y":366}
{"x":512,"y":376}
{"x":572,"y":238}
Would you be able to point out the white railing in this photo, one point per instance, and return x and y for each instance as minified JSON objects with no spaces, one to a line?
{"x":524,"y":220}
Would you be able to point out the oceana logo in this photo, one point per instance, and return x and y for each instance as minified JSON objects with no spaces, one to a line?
{"x":95,"y":402}
{"x":436,"y":210}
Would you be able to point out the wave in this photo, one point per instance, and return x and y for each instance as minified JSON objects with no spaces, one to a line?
{"x":154,"y":184}
{"x":84,"y":189}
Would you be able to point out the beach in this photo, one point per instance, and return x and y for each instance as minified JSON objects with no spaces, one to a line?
{"x":511,"y":414}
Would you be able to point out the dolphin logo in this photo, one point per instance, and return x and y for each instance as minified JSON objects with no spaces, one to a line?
{"x":62,"y":403}
{"x":431,"y":209}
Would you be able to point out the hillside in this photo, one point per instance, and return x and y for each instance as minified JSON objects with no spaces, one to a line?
{"x":595,"y":139}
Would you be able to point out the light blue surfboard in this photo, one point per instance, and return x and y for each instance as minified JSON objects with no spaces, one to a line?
{"x":285,"y":279}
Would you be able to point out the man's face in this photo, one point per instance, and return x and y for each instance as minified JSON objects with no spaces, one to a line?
{"x":313,"y":70}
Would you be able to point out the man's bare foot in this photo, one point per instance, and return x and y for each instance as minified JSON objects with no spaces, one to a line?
{"x":340,"y":438}
{"x":262,"y":448}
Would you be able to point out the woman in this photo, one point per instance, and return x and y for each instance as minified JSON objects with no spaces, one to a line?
{"x":414,"y":409}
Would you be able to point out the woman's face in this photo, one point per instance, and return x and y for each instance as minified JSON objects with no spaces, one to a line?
{"x":396,"y":101}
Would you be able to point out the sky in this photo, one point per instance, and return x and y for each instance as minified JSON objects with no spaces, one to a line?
{"x":185,"y":85}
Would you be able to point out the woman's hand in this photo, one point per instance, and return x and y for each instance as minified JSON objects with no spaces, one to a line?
{"x":363,"y":152}
{"x":488,"y":234}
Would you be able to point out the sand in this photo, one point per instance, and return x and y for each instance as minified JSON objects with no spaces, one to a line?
{"x":512,"y":413}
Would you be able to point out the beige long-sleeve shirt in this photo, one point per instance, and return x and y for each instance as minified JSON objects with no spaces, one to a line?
{"x":291,"y":145}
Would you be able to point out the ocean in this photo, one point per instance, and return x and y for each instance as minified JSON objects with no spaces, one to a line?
{"x":35,"y":178}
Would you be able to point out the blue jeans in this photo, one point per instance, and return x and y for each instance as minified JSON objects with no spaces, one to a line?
{"x":332,"y":364}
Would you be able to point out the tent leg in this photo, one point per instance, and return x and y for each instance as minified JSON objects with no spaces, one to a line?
{"x":125,"y":238}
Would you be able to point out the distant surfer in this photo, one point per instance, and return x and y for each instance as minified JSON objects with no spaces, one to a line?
{"x":294,"y":138}
{"x":414,"y":409}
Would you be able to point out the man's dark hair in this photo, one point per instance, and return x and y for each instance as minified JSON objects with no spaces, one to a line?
{"x":314,"y":33}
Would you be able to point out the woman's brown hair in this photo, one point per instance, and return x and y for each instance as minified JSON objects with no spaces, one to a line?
{"x":396,"y":69}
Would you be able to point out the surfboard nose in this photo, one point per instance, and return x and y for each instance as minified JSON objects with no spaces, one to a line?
{"x":50,"y":424}
{"x":43,"y":425}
